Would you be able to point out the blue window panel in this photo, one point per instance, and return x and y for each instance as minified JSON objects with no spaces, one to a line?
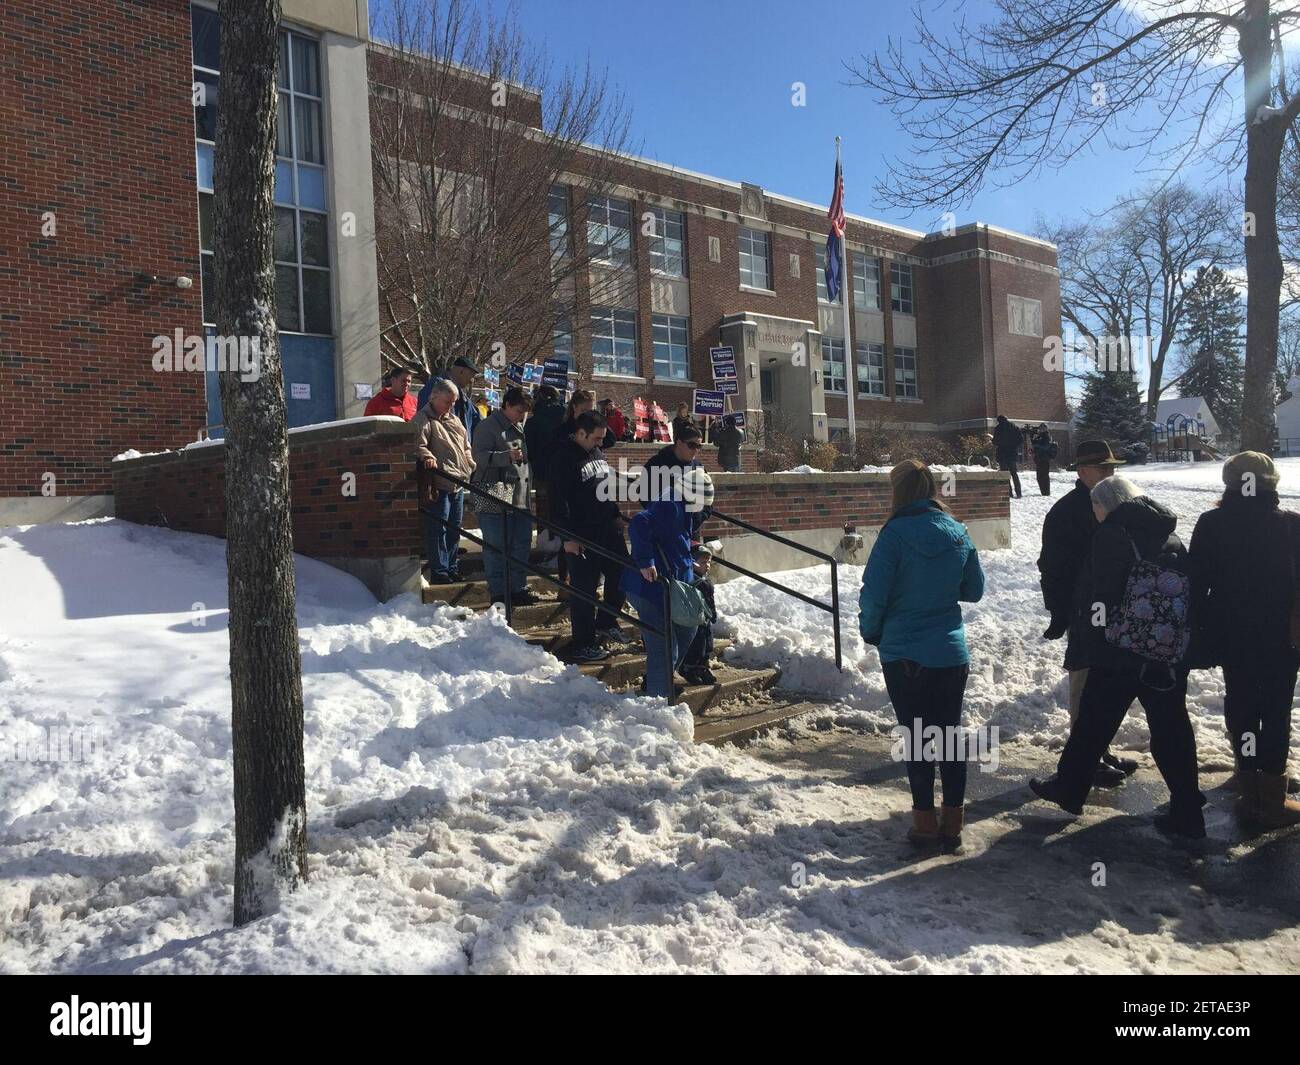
{"x":307,"y":361}
{"x":203,"y":157}
{"x":283,"y":182}
{"x":311,"y":187}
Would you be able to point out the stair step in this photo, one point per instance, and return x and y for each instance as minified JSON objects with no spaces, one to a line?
{"x":474,"y":593}
{"x":742,"y":720}
{"x":733,"y":683}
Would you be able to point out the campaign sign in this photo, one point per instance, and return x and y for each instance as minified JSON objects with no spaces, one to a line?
{"x":639,"y":409}
{"x":723,"y":354}
{"x":492,"y":377}
{"x":515,"y":373}
{"x":493,"y":397}
{"x":711,"y":404}
{"x":533,"y":373}
{"x":724,"y":373}
{"x":642,"y":431}
{"x":728,"y":386}
{"x":556,"y":364}
{"x":738,"y":420}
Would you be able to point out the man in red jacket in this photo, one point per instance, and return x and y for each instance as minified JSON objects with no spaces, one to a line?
{"x":396,"y":398}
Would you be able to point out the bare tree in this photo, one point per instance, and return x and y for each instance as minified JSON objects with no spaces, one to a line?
{"x":1038,"y":83}
{"x":265,"y":671}
{"x":471,"y":132}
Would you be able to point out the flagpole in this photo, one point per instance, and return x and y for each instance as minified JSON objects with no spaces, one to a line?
{"x":850,"y":359}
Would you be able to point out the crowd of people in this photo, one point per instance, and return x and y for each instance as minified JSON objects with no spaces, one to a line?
{"x":1138,"y":610}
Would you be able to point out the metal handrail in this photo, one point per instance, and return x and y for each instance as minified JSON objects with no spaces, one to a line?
{"x":537,"y":571}
{"x":833,"y":607}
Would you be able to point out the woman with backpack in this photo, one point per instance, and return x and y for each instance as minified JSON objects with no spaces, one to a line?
{"x":1133,"y":612}
{"x":1245,"y":556}
{"x":923,"y":565}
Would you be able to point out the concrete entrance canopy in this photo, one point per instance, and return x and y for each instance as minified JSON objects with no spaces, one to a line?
{"x":790,"y":350}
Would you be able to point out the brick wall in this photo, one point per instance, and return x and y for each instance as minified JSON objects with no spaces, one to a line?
{"x":98,"y":129}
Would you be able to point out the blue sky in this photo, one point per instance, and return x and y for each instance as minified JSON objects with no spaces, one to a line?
{"x":709,"y":86}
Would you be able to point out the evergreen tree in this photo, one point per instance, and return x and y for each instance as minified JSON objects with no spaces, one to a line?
{"x":1212,"y":343}
{"x":1111,"y":408}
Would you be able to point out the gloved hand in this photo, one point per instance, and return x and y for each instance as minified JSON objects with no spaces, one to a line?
{"x":1057,"y":628}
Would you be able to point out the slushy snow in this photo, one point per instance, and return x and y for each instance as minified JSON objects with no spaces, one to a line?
{"x":475,"y":805}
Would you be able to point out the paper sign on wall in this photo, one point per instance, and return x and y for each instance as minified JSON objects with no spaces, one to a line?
{"x":364,"y":390}
{"x":299,"y":391}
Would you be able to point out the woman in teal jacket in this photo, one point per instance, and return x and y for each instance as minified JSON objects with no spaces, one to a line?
{"x":922,"y":566}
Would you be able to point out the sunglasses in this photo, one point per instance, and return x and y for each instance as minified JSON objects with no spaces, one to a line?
{"x":693,"y":445}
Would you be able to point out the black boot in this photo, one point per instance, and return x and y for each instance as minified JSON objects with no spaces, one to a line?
{"x":1051,"y":791}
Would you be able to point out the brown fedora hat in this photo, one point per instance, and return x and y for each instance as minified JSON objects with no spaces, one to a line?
{"x":1094,"y":453}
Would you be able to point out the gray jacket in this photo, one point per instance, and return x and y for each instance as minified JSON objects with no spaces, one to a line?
{"x":492,"y":461}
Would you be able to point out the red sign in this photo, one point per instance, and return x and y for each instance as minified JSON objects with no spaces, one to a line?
{"x":661,"y":432}
{"x":639,"y":409}
{"x":657,"y":413}
{"x":642,"y":431}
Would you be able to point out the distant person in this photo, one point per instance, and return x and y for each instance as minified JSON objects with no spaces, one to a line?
{"x":1135,"y":632}
{"x":395,"y":399}
{"x":922,"y":567}
{"x":1007,"y":442}
{"x":582,"y":400}
{"x":541,"y":435}
{"x":461,"y":373}
{"x":1045,"y":450}
{"x":441,"y":444}
{"x":682,"y":420}
{"x":1067,"y":544}
{"x":695,"y":663}
{"x":1245,"y":556}
{"x":501,"y":469}
{"x":580,"y":480}
{"x":729,"y":436}
{"x":614,"y":419}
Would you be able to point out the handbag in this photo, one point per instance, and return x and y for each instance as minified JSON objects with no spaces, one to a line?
{"x":688,"y":606}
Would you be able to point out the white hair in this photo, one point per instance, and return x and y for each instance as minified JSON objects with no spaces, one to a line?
{"x":1113,"y":491}
{"x":442,"y":384}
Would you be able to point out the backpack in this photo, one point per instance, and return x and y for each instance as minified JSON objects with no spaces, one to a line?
{"x":1154,"y":617}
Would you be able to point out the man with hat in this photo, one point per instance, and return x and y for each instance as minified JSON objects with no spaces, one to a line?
{"x":1067,"y":542}
{"x":461,"y":373}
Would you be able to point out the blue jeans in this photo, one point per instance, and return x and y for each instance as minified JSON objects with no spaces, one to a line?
{"x":493,"y":527}
{"x":653,"y":614}
{"x":442,"y":523}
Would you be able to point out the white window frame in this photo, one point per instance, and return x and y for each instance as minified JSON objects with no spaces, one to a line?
{"x":676,"y":333}
{"x":902,"y":279}
{"x":668,"y":252}
{"x":606,"y":324}
{"x":609,"y":230}
{"x":871,"y":357}
{"x":907,"y":384}
{"x":862,"y":297}
{"x":748,"y":241}
{"x":834,"y":383}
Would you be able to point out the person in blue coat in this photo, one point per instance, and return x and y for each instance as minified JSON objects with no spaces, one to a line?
{"x":923,"y":565}
{"x":659,"y":536}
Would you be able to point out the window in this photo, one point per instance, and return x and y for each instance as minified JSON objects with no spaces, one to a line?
{"x":823,"y":291}
{"x":905,"y":373}
{"x":613,"y":341}
{"x":557,"y":216}
{"x":871,"y":369}
{"x":302,"y":254}
{"x":672,"y":346}
{"x":834,"y":373}
{"x":866,"y":282}
{"x":609,"y":230}
{"x":1024,"y":316}
{"x":900,"y":288}
{"x":668,"y":244}
{"x":562,"y":335}
{"x":755,"y":259}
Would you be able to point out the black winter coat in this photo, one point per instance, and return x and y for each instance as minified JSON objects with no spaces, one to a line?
{"x":576,"y":476}
{"x":539,"y":435}
{"x":1067,"y":537}
{"x":1243,"y":579}
{"x":1142,"y":523}
{"x":1006,"y":440}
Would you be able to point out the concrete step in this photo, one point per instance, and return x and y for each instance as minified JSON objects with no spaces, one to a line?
{"x":627,"y":669}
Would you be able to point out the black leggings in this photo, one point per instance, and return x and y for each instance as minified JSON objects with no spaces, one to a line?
{"x":933,"y":696}
{"x":1257,"y":711}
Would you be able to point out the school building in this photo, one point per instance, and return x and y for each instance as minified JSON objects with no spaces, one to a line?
{"x":106,"y":143}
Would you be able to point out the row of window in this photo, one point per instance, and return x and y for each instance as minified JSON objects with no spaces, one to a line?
{"x":609,"y":241}
{"x":870,"y":369}
{"x":613,"y":351}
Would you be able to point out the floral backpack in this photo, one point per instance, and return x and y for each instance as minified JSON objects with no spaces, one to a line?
{"x":1154,"y":618}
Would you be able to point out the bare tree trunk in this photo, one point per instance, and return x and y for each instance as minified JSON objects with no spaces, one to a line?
{"x":1264,"y":133}
{"x":265,"y":671}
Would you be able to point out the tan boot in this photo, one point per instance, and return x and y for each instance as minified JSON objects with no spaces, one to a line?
{"x":951,"y":820}
{"x":1273,"y":809}
{"x":925,"y":827}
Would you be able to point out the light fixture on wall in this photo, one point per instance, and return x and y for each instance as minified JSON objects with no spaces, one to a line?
{"x":152,"y":279}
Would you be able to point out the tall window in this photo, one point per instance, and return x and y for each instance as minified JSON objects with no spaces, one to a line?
{"x":562,"y":335}
{"x":900,"y":287}
{"x":609,"y":230}
{"x":905,"y":373}
{"x":871,"y":369}
{"x":557,"y":216}
{"x":823,"y":292}
{"x":668,"y":245}
{"x":302,"y":254}
{"x":834,"y":373}
{"x":672,"y":346}
{"x":613,"y":341}
{"x":866,"y":282}
{"x":755,"y":259}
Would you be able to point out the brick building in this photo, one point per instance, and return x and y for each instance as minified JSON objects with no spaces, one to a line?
{"x":106,"y":135}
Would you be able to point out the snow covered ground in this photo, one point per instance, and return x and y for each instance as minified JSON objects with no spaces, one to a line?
{"x":477,"y":806}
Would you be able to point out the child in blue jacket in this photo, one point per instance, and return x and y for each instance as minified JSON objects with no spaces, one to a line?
{"x":659,"y":535}
{"x":923,"y":565}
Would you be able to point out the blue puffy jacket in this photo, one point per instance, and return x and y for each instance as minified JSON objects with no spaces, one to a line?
{"x":922,"y":565}
{"x":655,"y":535}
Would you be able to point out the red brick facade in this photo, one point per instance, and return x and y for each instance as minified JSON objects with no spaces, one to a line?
{"x":97,"y":129}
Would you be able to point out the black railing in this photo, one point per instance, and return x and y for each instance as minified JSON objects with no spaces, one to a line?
{"x":566,"y":535}
{"x":833,"y":606}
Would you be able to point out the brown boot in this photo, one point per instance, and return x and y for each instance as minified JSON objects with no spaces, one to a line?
{"x":1273,"y":809}
{"x":925,"y":827}
{"x":951,"y":820}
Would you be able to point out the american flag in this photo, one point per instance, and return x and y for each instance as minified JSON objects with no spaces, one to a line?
{"x":836,"y":217}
